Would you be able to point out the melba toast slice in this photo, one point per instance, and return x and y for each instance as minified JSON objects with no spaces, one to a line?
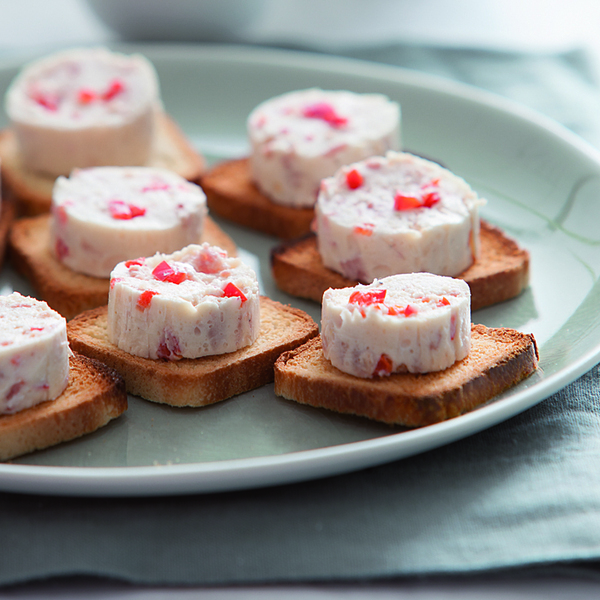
{"x":94,"y":396}
{"x":67,"y":291}
{"x":231,"y":194}
{"x":171,"y":150}
{"x":500,"y":273}
{"x":499,"y":358}
{"x":200,"y":381}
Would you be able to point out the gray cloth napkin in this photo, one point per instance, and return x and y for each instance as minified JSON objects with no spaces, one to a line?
{"x":525,"y":493}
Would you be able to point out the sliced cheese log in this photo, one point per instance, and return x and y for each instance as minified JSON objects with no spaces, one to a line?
{"x":416,"y":322}
{"x":195,"y":302}
{"x":105,"y":215}
{"x":82,"y":108}
{"x":34,"y":353}
{"x":397,"y":214}
{"x":301,"y":137}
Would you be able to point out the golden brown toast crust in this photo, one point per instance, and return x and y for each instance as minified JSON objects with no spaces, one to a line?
{"x":201,"y":381}
{"x":499,"y":359}
{"x":231,"y":194}
{"x":66,"y":291}
{"x":171,"y":150}
{"x":501,"y":273}
{"x":94,"y":396}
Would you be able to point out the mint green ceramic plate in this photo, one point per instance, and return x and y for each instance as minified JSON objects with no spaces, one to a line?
{"x":543,"y":187}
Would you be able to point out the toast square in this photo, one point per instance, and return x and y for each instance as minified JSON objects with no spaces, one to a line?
{"x":94,"y":396}
{"x":200,"y":381}
{"x":499,"y":359}
{"x":231,"y":194}
{"x":65,"y":290}
{"x":501,"y":273}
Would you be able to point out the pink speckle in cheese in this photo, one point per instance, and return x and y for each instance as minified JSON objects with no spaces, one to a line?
{"x":326,"y":112}
{"x":14,"y":389}
{"x":62,"y":249}
{"x":116,"y":87}
{"x":169,"y":347}
{"x":119,"y":209}
{"x":209,"y":261}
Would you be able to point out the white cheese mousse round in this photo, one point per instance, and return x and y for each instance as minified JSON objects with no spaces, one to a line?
{"x":83,"y":108}
{"x":416,"y":323}
{"x":34,"y":353}
{"x":105,"y":215}
{"x":397,"y":214}
{"x":192,"y":303}
{"x":301,"y":137}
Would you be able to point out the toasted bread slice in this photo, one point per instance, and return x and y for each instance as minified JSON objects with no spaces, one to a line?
{"x":231,"y":194}
{"x":498,"y":360}
{"x":94,"y":396}
{"x":33,"y":191}
{"x":66,"y":291}
{"x":200,"y":381}
{"x":7,"y":216}
{"x":501,"y":273}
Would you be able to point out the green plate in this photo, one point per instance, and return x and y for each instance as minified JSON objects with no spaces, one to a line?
{"x":542,"y":184}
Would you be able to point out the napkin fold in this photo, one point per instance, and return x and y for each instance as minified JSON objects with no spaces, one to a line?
{"x":525,"y":493}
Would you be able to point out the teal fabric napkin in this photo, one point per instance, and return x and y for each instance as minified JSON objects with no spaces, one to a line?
{"x":523,"y":494}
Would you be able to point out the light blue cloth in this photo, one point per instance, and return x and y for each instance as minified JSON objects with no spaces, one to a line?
{"x":525,"y":493}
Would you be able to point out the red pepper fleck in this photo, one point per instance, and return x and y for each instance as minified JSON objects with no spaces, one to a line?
{"x":123,"y":211}
{"x":354,"y":179}
{"x":402,"y":202}
{"x":383,"y":367}
{"x":430,"y":199}
{"x":114,"y":281}
{"x":366,"y":229}
{"x":231,"y":290}
{"x":144,"y":300}
{"x":169,"y":347}
{"x":444,"y":301}
{"x":326,"y":112}
{"x":86,"y":95}
{"x":137,"y":261}
{"x":367,"y":298}
{"x":164,"y":272}
{"x":116,"y":87}
{"x":36,"y":329}
{"x":410,"y":310}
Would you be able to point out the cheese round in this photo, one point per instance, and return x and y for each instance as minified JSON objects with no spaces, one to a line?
{"x":396,"y":214}
{"x":83,"y":108}
{"x":301,"y":137}
{"x":34,"y":353}
{"x":105,"y":215}
{"x":415,"y":323}
{"x":192,"y":303}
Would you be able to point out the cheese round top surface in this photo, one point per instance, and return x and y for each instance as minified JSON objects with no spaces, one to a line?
{"x":82,"y":88}
{"x":301,"y":137}
{"x":105,"y":215}
{"x":415,"y":323}
{"x":192,"y":303}
{"x":397,"y":214}
{"x":34,"y":353}
{"x":83,"y":108}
